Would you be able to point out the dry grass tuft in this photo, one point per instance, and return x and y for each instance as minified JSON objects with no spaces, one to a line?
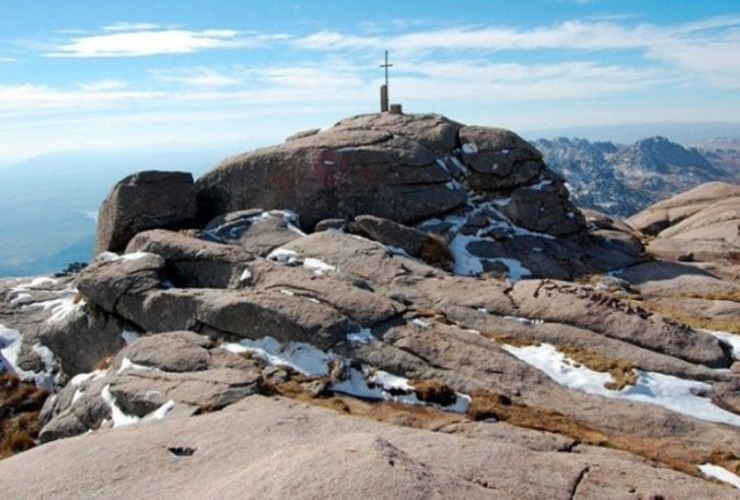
{"x":485,"y":405}
{"x":418,"y":417}
{"x":670,"y":453}
{"x":728,"y":295}
{"x":435,"y":251}
{"x":622,"y":372}
{"x":20,"y":405}
{"x":726,"y":459}
{"x":503,"y":338}
{"x":105,"y":363}
{"x":702,"y":322}
{"x":433,"y":391}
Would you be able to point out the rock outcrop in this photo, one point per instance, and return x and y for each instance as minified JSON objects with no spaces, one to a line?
{"x":702,"y":224}
{"x":142,"y":201}
{"x":463,"y":322}
{"x":405,"y":168}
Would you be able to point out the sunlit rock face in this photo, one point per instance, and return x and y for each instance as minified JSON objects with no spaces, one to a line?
{"x":482,"y":319}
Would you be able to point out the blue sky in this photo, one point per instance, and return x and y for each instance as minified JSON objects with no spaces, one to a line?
{"x":112,"y":75}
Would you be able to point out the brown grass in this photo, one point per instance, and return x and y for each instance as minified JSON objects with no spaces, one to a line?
{"x":728,"y":295}
{"x":435,"y":251}
{"x":703,"y":322}
{"x":670,"y":453}
{"x":726,"y":459}
{"x":418,"y":417}
{"x":433,"y":391}
{"x":105,"y":363}
{"x":622,"y":372}
{"x":503,"y":338}
{"x":20,"y":405}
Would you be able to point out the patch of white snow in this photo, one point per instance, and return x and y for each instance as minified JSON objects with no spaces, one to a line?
{"x":672,"y":393}
{"x":129,"y":337}
{"x":720,"y":473}
{"x":283,"y":256}
{"x":319,"y":267}
{"x":302,"y":357}
{"x":729,"y":338}
{"x":364,"y":336}
{"x":119,"y":417}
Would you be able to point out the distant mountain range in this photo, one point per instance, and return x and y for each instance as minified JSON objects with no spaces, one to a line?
{"x":622,"y":180}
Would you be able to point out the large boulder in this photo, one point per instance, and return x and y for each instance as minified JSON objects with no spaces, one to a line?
{"x":193,"y":262}
{"x":702,"y":224}
{"x":141,"y":201}
{"x":405,"y":168}
{"x":334,"y":173}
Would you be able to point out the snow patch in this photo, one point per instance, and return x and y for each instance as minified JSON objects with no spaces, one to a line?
{"x":364,"y":336}
{"x":161,"y":412}
{"x":246,"y":275}
{"x":466,"y":264}
{"x":119,"y":417}
{"x":720,"y":473}
{"x":421,"y":323}
{"x":729,"y":338}
{"x":525,"y":321}
{"x":367,"y":383}
{"x":129,"y":337}
{"x":10,"y":345}
{"x":303,"y":358}
{"x":114,"y":257}
{"x":469,"y":148}
{"x":127,"y":364}
{"x":283,"y":256}
{"x":673,"y":393}
{"x":319,"y":267}
{"x":516,"y":271}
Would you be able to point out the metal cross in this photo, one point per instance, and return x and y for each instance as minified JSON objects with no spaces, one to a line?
{"x":386,"y":66}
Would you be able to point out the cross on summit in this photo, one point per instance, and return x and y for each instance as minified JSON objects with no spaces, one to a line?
{"x":386,"y":66}
{"x":384,"y":87}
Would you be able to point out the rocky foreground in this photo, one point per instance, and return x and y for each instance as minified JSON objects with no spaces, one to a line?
{"x":415,"y":310}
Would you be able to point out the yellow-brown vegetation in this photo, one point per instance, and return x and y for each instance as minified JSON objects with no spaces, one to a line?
{"x":433,"y":391}
{"x":670,"y":453}
{"x":435,"y":251}
{"x":731,"y":325}
{"x":516,"y":341}
{"x":622,"y":372}
{"x":20,"y":404}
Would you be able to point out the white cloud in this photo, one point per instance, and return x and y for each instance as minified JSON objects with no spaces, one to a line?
{"x":149,"y":42}
{"x":27,"y":99}
{"x":102,"y":85}
{"x":198,"y":77}
{"x":124,"y":26}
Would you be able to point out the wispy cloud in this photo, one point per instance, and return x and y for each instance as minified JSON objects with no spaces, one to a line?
{"x":149,"y":41}
{"x":708,"y":49}
{"x":124,"y":26}
{"x":198,"y":77}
